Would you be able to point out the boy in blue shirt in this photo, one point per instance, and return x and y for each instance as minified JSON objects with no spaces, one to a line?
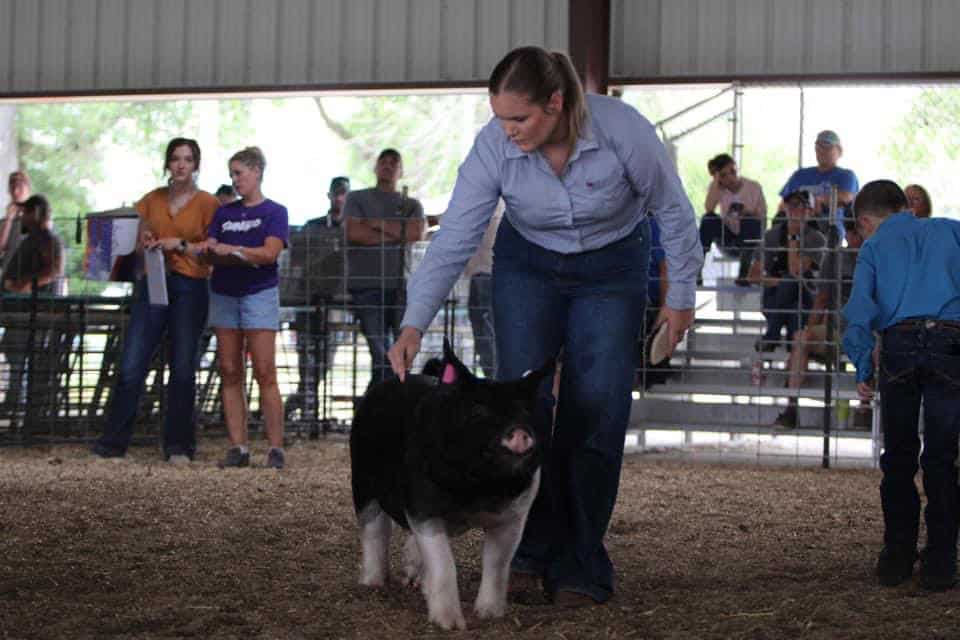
{"x":906,"y":287}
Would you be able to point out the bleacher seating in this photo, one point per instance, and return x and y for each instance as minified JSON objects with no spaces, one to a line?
{"x":712,"y":387}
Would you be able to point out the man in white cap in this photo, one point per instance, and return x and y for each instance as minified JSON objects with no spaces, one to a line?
{"x":820,"y":179}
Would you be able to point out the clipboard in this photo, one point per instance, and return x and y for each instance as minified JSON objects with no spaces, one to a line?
{"x":156,"y":277}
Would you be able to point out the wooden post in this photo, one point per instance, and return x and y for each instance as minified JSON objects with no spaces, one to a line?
{"x":590,"y":42}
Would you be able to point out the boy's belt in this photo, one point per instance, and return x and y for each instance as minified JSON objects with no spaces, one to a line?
{"x":926,"y":323}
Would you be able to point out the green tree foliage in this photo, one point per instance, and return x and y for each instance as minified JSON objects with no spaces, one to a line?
{"x":432,"y":132}
{"x":771,"y":166}
{"x":925,"y":142}
{"x":921,"y":140}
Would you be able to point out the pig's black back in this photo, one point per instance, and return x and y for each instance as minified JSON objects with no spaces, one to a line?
{"x":377,"y":440}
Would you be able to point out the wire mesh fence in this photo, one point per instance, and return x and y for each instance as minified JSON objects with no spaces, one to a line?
{"x":59,"y":354}
{"x":722,"y":385}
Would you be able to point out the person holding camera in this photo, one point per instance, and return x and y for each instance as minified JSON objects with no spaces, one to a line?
{"x":36,"y":263}
{"x":11,"y":228}
{"x":743,"y":212}
{"x":786,"y":266}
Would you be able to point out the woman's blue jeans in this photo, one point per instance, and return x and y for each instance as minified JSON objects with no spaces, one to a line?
{"x":591,"y":305}
{"x":184,"y":319}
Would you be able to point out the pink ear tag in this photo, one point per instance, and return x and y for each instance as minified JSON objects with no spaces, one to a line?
{"x":449,"y":374}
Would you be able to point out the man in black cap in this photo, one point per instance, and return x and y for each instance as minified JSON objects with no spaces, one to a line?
{"x":786,"y":265}
{"x":316,"y":263}
{"x":339,"y":188}
{"x":225,"y":194}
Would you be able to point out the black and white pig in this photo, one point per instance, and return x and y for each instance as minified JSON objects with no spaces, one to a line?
{"x":441,"y":455}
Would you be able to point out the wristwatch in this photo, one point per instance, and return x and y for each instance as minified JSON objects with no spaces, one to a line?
{"x":182,"y":247}
{"x":794,"y":237}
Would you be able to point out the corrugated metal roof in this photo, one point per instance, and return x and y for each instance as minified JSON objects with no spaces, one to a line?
{"x":85,"y":46}
{"x":730,"y":39}
{"x":55,"y":47}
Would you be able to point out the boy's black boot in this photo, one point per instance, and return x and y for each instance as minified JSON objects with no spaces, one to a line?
{"x":895,"y":565}
{"x":938,"y":571}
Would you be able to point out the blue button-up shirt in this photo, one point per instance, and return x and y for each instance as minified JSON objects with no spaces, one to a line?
{"x":909,"y":268}
{"x":618,"y":171}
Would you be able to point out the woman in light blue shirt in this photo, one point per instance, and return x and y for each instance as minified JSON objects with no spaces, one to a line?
{"x":578,"y":175}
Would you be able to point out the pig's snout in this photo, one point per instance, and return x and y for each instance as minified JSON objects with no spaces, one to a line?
{"x":518,"y":441}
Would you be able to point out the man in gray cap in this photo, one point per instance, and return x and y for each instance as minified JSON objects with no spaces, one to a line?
{"x":820,"y":179}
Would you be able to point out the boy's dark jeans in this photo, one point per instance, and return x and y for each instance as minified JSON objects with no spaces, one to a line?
{"x":920,"y":359}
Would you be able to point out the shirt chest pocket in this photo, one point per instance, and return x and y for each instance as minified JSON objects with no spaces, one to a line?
{"x":601,"y":185}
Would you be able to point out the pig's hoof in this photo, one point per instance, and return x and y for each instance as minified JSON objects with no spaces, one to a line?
{"x":494,"y":608}
{"x":375,"y":580}
{"x":448,"y":619}
{"x":412,"y":575}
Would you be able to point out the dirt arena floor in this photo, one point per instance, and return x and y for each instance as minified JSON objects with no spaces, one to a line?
{"x":139,"y":549}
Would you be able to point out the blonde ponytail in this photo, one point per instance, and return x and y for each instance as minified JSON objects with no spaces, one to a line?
{"x":538,"y":74}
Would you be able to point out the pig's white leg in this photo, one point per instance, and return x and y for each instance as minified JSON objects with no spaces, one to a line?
{"x":439,"y":574}
{"x":375,"y":526}
{"x":499,"y":544}
{"x":412,"y":562}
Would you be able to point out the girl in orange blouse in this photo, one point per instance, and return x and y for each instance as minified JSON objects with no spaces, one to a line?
{"x":173,"y":219}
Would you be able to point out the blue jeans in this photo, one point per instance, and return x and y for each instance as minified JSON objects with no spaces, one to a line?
{"x":184,"y":319}
{"x":785,"y":305}
{"x":379,"y":312}
{"x":590,"y":304}
{"x":920,"y":360}
{"x":738,"y":245}
{"x":480,"y":308}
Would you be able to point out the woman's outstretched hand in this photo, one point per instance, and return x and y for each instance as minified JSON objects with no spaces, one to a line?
{"x":404,"y":350}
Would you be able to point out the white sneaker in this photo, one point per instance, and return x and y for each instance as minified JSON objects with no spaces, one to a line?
{"x":179,"y":460}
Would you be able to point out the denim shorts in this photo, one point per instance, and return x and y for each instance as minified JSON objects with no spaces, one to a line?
{"x":260,"y":310}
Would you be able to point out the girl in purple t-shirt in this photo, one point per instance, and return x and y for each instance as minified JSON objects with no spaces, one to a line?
{"x":244,"y":241}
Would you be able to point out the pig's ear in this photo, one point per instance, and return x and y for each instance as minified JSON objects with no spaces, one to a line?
{"x":449,"y":374}
{"x":532,"y":379}
{"x":454,"y":371}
